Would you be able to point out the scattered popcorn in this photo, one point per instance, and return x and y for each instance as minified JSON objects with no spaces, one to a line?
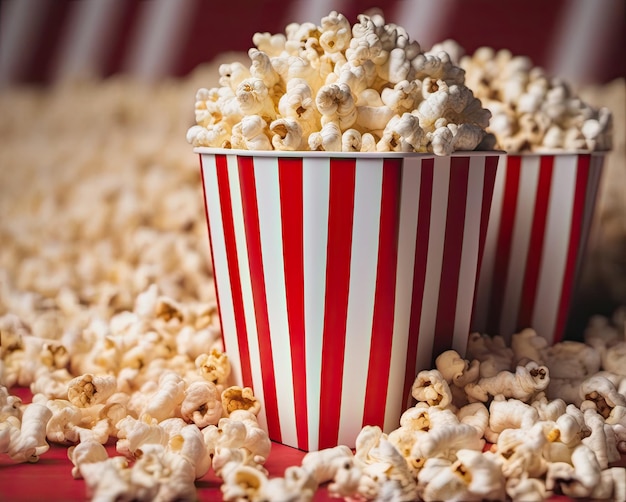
{"x":369,"y":77}
{"x":23,"y":435}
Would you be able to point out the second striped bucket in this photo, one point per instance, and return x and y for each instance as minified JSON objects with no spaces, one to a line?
{"x":543,"y":206}
{"x":340,"y":276}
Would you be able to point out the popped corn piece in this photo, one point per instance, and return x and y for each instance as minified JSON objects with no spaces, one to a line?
{"x":214,"y":367}
{"x":403,"y":97}
{"x":602,"y":393}
{"x":134,"y":434}
{"x":23,"y":439}
{"x":430,"y":387}
{"x":202,"y":404}
{"x":233,"y":74}
{"x":336,"y":33}
{"x":237,"y":398}
{"x":325,"y":465}
{"x":509,"y":414}
{"x":298,"y":103}
{"x":88,"y":389}
{"x":89,"y":451}
{"x":272,"y":45}
{"x":402,"y":134}
{"x":250,"y":134}
{"x":286,"y":134}
{"x":253,"y":98}
{"x":216,"y":135}
{"x":373,"y":118}
{"x":523,"y":384}
{"x":262,"y":68}
{"x":336,"y":104}
{"x":165,"y":401}
{"x":328,"y":139}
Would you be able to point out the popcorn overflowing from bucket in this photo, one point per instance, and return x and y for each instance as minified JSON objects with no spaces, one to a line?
{"x":347,"y":213}
{"x":531,"y":111}
{"x":337,"y":87}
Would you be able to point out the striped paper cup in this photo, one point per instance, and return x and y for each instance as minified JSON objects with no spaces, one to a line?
{"x":541,"y":215}
{"x":339,"y":276}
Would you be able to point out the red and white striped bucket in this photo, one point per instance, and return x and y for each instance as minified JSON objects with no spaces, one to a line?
{"x":339,"y":276}
{"x":541,"y":215}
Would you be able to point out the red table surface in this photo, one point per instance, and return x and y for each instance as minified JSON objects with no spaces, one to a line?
{"x":50,"y":478}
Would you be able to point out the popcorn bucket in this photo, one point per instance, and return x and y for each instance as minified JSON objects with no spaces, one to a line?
{"x":538,"y":231}
{"x":339,"y":276}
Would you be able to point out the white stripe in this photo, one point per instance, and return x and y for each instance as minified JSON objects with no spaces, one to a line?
{"x":220,"y":266}
{"x":520,"y":242}
{"x":362,"y":290}
{"x":302,"y":11}
{"x":424,"y":20}
{"x":268,"y":200}
{"x":20,"y":22}
{"x":409,"y":207}
{"x":316,"y":185}
{"x":469,"y":256}
{"x":439,"y":209}
{"x":555,"y":245}
{"x":246,"y":285}
{"x":486,"y":279}
{"x":582,"y":37}
{"x":87,"y":40}
{"x":159,"y":38}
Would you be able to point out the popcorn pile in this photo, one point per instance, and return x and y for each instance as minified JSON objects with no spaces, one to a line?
{"x":531,"y":111}
{"x":520,"y":422}
{"x":154,"y":379}
{"x":337,"y":87}
{"x":488,"y":427}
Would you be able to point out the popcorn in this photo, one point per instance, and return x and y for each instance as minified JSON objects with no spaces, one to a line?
{"x":531,"y":111}
{"x":287,"y":134}
{"x":23,"y":437}
{"x":68,"y":301}
{"x":202,"y":404}
{"x":369,"y":77}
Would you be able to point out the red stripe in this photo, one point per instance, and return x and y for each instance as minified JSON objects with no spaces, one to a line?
{"x":255,"y":260}
{"x":489,"y":182}
{"x":452,"y":252}
{"x":419,"y":273}
{"x":575,"y":245}
{"x":509,"y":21}
{"x":233,"y":267}
{"x":49,"y":36}
{"x":593,"y":181}
{"x":491,"y":165}
{"x":340,"y":219}
{"x":504,"y":241}
{"x":122,"y":36}
{"x":230,"y":31}
{"x":535,"y":244}
{"x":291,"y":208}
{"x":384,"y":297}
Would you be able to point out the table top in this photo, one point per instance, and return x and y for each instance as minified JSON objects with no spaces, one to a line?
{"x":50,"y":478}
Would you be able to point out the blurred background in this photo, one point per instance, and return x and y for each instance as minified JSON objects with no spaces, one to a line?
{"x":105,"y":88}
{"x":46,"y":40}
